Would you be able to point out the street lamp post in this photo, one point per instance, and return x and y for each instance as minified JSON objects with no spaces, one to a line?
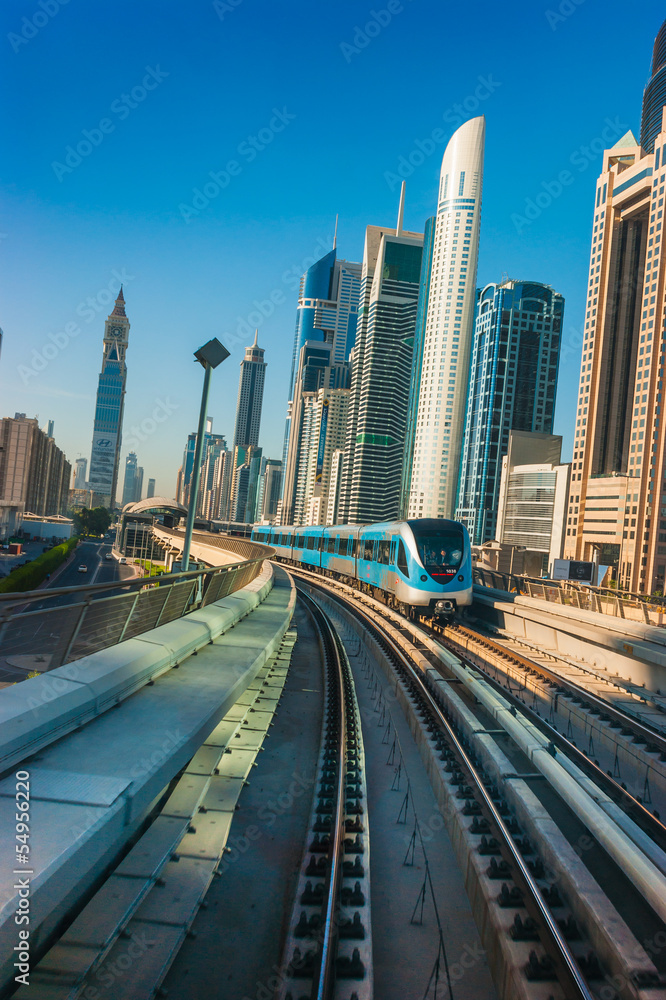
{"x":209,"y":356}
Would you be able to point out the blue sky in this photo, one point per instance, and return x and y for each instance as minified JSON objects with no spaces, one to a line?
{"x":300,"y":113}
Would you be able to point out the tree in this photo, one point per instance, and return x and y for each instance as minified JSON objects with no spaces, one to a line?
{"x":91,"y":522}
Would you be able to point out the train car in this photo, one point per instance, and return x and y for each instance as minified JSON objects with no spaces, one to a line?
{"x":417,"y":566}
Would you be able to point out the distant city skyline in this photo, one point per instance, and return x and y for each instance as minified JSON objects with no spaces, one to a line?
{"x":237,"y":263}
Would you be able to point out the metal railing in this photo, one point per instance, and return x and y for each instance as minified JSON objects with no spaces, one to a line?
{"x":649,"y":609}
{"x":92,"y":618}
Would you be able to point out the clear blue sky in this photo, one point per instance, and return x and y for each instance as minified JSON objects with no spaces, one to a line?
{"x":350,"y":106}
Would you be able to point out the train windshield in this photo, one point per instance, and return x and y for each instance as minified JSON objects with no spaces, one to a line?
{"x":440,"y":550}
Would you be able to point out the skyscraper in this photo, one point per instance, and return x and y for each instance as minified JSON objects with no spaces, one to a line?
{"x":80,"y":467}
{"x":381,"y":374}
{"x":326,"y":321}
{"x":654,"y":95}
{"x":250,"y":396}
{"x":271,"y":488}
{"x":617,"y":501}
{"x":150,"y":492}
{"x":107,"y":432}
{"x":130,"y":482}
{"x":440,"y":396}
{"x":512,"y":385}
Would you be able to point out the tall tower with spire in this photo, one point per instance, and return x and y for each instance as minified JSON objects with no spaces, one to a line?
{"x":107,"y":431}
{"x":250,"y":396}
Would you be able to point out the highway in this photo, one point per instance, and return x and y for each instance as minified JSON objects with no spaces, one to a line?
{"x":100,"y":570}
{"x":28,"y":646}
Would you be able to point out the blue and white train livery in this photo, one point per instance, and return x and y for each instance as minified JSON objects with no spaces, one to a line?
{"x":414,"y":566}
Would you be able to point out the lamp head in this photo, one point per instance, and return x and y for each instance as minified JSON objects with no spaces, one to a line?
{"x":211,"y":354}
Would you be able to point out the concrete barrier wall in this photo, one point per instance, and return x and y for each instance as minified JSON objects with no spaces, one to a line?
{"x":634,"y":650}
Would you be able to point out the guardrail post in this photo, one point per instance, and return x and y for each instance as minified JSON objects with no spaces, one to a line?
{"x":129,"y":615}
{"x":75,"y":632}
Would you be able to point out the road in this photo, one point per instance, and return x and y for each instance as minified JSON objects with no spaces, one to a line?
{"x":28,"y":644}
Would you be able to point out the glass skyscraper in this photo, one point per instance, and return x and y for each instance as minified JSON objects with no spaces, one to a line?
{"x":250,"y":396}
{"x":654,"y":96}
{"x":440,"y":394}
{"x":381,"y":375}
{"x":326,"y":321}
{"x":512,"y":385}
{"x":107,"y":431}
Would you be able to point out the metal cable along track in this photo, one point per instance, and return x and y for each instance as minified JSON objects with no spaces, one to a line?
{"x":561,"y":960}
{"x":647,"y":821}
{"x":328,"y":947}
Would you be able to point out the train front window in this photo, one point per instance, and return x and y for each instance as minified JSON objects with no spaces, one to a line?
{"x":440,"y":550}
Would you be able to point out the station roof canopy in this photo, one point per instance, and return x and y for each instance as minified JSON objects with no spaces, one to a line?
{"x":154,"y":503}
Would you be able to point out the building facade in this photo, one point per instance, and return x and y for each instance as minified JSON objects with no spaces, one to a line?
{"x":533,"y":499}
{"x":381,"y":374}
{"x":110,"y":403}
{"x":80,"y":469}
{"x":512,"y":386}
{"x":130,"y":481}
{"x":439,"y":399}
{"x":326,"y":320}
{"x":150,"y":492}
{"x":617,"y":501}
{"x":250,"y":396}
{"x":34,"y":473}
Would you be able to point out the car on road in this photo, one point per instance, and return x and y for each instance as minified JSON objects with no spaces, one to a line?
{"x":83,"y":568}
{"x":108,"y":556}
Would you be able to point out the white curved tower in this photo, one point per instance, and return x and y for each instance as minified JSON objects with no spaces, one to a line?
{"x":449,"y":322}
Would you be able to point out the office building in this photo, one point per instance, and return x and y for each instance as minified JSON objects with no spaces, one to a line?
{"x":80,"y":467}
{"x":108,"y":426}
{"x":272,"y":488}
{"x":150,"y":492}
{"x":533,"y":499}
{"x":250,"y":396}
{"x":34,"y":473}
{"x":617,"y":499}
{"x":381,"y":374}
{"x":326,"y":321}
{"x":130,"y":482}
{"x":512,"y":385}
{"x":654,"y":95}
{"x":445,"y":337}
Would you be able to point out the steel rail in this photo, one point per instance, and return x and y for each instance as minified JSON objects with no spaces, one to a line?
{"x":628,"y":721}
{"x":323,"y":980}
{"x":641,"y":815}
{"x":553,"y":940}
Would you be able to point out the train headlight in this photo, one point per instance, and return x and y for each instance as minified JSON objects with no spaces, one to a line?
{"x":461,"y":578}
{"x":424,"y":579}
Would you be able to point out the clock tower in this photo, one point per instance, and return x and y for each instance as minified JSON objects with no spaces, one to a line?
{"x":107,"y":432}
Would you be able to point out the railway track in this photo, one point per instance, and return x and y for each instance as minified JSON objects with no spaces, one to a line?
{"x":329,"y":943}
{"x":471,"y":645}
{"x":575,"y":968}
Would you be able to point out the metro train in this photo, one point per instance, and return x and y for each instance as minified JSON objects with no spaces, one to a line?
{"x":415,"y":566}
